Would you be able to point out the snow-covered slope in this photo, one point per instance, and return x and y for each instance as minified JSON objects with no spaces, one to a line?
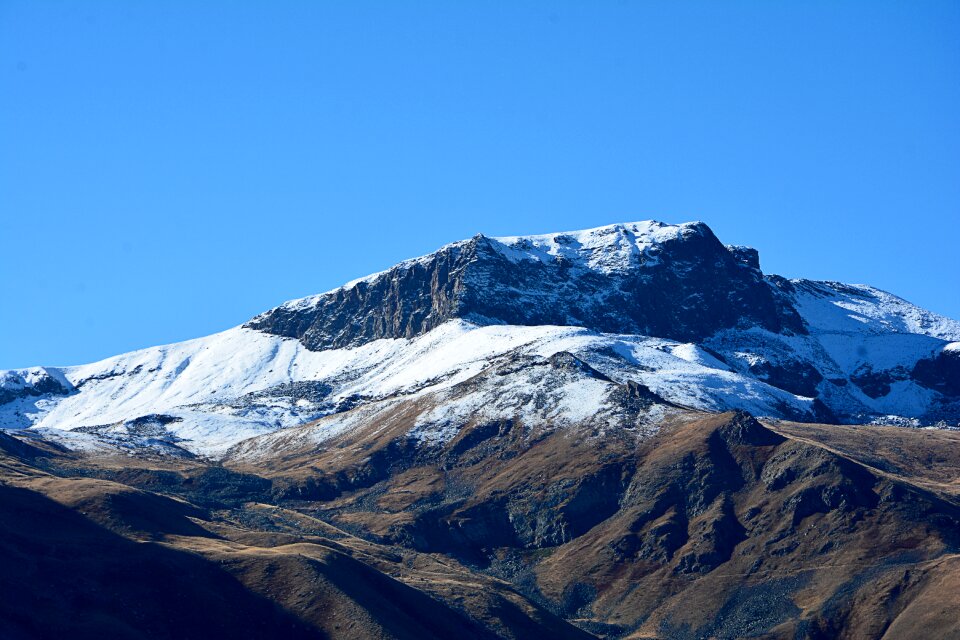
{"x":858,"y":354}
{"x":610,"y":249}
{"x":241,"y":383}
{"x":448,"y":330}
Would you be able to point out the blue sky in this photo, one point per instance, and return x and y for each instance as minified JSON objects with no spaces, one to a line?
{"x":169,"y":169}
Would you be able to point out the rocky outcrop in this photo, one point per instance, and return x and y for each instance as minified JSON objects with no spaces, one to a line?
{"x":940,"y":373}
{"x":31,"y":384}
{"x":684,"y":287}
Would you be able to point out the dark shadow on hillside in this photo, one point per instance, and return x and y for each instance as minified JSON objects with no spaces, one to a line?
{"x":63,"y":575}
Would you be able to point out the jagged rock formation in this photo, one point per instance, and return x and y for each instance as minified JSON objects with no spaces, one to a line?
{"x":17,"y":385}
{"x":675,"y":282}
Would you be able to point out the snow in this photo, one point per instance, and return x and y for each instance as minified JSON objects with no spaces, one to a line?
{"x":223,"y":387}
{"x":696,"y":355}
{"x":235,"y":385}
{"x":15,"y":380}
{"x":833,"y":307}
{"x":608,"y":249}
{"x":858,"y":325}
{"x":536,"y":396}
{"x":852,"y":329}
{"x":313,"y":433}
{"x":245,"y":385}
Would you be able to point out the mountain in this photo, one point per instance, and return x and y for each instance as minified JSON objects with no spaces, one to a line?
{"x":647,"y":278}
{"x":622,"y":432}
{"x":668,"y":308}
{"x":710,"y":526}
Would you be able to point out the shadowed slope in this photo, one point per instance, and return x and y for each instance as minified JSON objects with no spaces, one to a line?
{"x":94,"y":558}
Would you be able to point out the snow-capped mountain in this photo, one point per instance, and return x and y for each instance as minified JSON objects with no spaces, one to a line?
{"x":612,"y":327}
{"x":645,"y":278}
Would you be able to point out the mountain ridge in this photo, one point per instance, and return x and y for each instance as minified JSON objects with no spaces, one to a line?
{"x":639,"y":278}
{"x":717,"y":334}
{"x":523,"y":472}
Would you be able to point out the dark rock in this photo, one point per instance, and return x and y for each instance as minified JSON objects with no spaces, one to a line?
{"x":20,"y":449}
{"x":566,"y":361}
{"x":694,"y":287}
{"x":745,"y":429}
{"x":468,"y":439}
{"x":795,"y":376}
{"x":17,"y":387}
{"x":713,"y":540}
{"x":218,"y":486}
{"x":747,"y":256}
{"x":941,"y":373}
{"x":875,"y":384}
{"x":635,"y":396}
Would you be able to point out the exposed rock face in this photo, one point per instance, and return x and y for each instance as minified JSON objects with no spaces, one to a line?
{"x":846,"y":347}
{"x":875,"y":384}
{"x":940,"y":373}
{"x":748,"y":256}
{"x":497,"y":475}
{"x":686,"y":285}
{"x":31,"y":383}
{"x":794,"y":376}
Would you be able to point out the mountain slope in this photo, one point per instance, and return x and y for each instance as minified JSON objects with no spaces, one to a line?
{"x":647,"y":278}
{"x":95,"y":558}
{"x":712,"y":526}
{"x":665,"y":306}
{"x":511,"y":437}
{"x":709,"y":526}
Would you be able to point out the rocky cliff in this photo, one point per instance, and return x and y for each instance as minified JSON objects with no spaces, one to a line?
{"x":672,"y":281}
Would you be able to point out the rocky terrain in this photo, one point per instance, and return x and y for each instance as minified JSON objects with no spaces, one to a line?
{"x":623,"y":432}
{"x":645,"y":278}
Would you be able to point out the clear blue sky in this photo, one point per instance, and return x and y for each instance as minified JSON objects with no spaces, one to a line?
{"x":169,"y":169}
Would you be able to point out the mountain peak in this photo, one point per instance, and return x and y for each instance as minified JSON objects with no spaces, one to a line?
{"x":650,"y":231}
{"x":607,"y":249}
{"x":648,"y":277}
{"x":668,"y":307}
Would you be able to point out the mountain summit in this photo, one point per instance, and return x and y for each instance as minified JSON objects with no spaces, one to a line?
{"x":526,"y":437}
{"x":647,"y":278}
{"x":688,"y":321}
